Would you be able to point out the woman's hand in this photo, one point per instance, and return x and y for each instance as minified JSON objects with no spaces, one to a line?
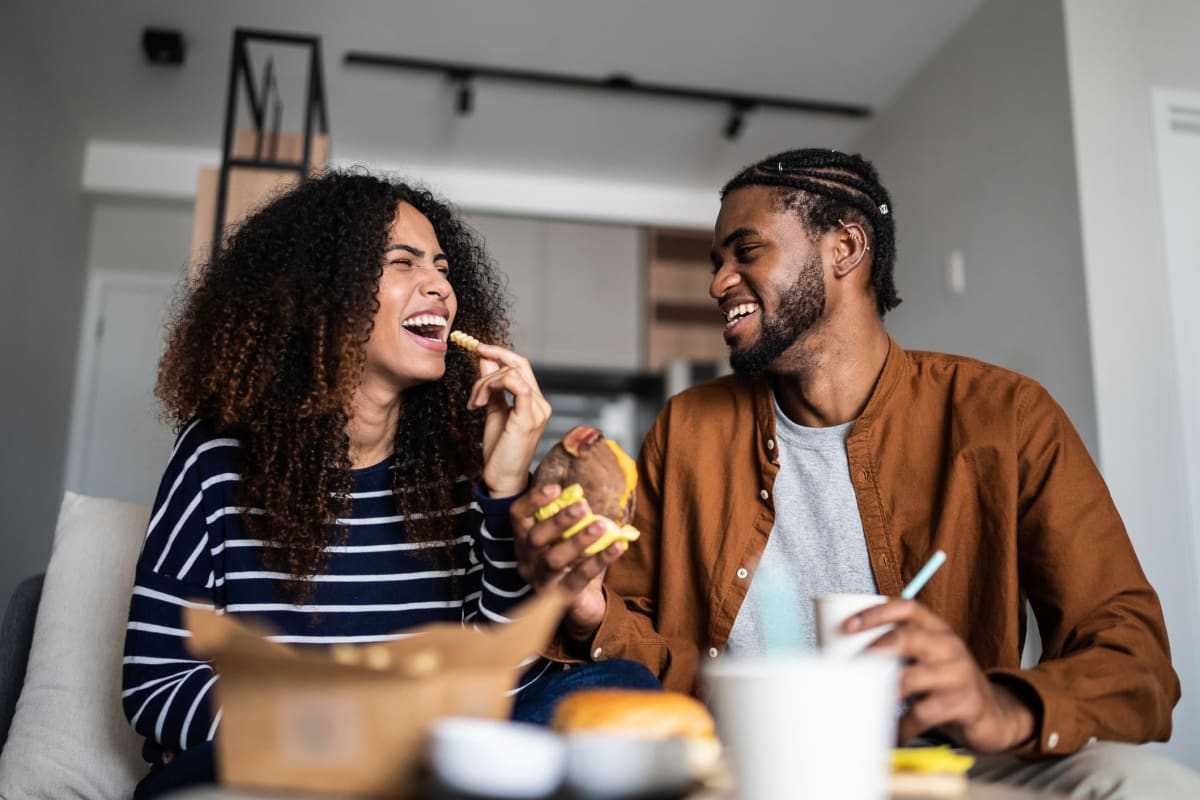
{"x":511,"y":433}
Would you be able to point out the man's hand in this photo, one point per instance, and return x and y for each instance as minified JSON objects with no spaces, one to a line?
{"x":945,"y":687}
{"x":545,"y":559}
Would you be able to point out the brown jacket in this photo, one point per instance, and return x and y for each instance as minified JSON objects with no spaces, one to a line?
{"x":949,"y":453}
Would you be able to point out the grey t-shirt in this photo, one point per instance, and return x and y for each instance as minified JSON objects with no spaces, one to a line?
{"x":816,"y":546}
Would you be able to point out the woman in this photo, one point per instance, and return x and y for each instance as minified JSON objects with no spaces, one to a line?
{"x":340,"y":471}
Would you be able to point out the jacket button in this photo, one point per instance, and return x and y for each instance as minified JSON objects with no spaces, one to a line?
{"x":1052,"y":740}
{"x":741,"y":573}
{"x":712,"y":652}
{"x":599,"y":651}
{"x":770,"y":444}
{"x":763,"y":494}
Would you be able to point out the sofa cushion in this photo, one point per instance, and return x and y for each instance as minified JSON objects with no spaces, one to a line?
{"x":69,"y":737}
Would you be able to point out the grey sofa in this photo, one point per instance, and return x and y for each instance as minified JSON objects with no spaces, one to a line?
{"x":16,"y":636}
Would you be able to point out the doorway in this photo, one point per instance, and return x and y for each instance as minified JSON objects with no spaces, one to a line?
{"x":119,"y":445}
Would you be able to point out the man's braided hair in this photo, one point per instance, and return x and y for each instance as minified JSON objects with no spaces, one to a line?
{"x":825,"y":188}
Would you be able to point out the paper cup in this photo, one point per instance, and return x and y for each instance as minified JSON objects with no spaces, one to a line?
{"x":832,"y":610}
{"x":807,"y":726}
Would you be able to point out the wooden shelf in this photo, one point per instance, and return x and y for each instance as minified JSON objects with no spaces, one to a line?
{"x":682,"y":319}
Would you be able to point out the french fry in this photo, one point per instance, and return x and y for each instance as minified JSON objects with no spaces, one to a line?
{"x":464,"y":340}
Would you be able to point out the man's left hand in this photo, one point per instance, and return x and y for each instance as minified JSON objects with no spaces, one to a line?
{"x":942,"y":683}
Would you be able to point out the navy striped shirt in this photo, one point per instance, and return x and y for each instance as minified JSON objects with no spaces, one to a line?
{"x":375,"y":585}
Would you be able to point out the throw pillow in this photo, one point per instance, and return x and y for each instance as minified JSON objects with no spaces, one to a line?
{"x":69,"y":737}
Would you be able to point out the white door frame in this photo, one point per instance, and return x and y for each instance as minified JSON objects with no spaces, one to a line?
{"x":85,"y":366}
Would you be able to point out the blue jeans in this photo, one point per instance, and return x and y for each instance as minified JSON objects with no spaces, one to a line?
{"x":196,"y":766}
{"x":536,"y":704}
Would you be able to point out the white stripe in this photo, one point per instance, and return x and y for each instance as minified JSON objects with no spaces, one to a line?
{"x":212,"y":731}
{"x":384,"y":578}
{"x":219,"y":478}
{"x":133,"y":721}
{"x":179,"y":523}
{"x":496,"y":590}
{"x":227,"y":510}
{"x":147,"y":685}
{"x":454,"y":512}
{"x":382,"y":637}
{"x":405,"y":489}
{"x":499,"y":564}
{"x":142,"y":591}
{"x":365,"y":495}
{"x":156,"y":661}
{"x":492,"y":615}
{"x":187,"y":565}
{"x":187,"y":721}
{"x":351,"y":549}
{"x":242,"y":608}
{"x":166,"y":707}
{"x":187,"y":465}
{"x":486,"y":534}
{"x":475,"y":569}
{"x":146,"y":627}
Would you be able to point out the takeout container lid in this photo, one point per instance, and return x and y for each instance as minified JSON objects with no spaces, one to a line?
{"x":299,"y":720}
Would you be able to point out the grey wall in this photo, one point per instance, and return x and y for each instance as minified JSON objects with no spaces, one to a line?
{"x":43,"y":245}
{"x":140,"y":235}
{"x":978,"y":156}
{"x":1119,"y":50}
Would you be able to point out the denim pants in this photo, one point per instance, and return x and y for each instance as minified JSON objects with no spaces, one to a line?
{"x":196,"y":766}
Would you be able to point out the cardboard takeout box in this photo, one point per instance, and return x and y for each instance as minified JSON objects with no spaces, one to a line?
{"x":305,"y":719}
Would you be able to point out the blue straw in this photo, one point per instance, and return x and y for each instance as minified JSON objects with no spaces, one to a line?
{"x":780,"y":608}
{"x":921,"y":578}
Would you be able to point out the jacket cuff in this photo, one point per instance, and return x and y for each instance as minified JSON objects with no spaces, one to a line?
{"x":564,"y":651}
{"x":1055,"y":732}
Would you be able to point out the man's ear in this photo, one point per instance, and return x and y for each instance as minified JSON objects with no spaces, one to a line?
{"x":850,"y":249}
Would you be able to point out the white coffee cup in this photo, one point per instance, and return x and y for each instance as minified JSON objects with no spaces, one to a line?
{"x":806,"y":726}
{"x":832,"y":611}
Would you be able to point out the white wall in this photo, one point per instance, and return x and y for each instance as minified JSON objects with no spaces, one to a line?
{"x":43,"y":242}
{"x":1118,"y":50}
{"x":977,"y":155}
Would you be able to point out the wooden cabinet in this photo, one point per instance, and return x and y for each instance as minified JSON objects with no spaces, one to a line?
{"x":683,"y":322}
{"x":248,"y":189}
{"x":576,"y":289}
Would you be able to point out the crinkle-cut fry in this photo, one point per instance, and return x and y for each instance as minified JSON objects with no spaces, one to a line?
{"x":573,"y":494}
{"x":464,"y":340}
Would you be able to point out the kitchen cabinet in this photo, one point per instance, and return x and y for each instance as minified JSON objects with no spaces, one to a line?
{"x":576,"y":289}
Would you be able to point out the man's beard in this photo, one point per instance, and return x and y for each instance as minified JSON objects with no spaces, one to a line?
{"x":799,"y":308}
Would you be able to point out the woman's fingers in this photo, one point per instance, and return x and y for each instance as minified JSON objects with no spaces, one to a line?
{"x":528,"y":402}
{"x":496,"y":353}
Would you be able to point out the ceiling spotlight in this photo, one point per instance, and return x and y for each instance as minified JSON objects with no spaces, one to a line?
{"x":163,"y":46}
{"x":466,"y":93}
{"x":733,"y":127}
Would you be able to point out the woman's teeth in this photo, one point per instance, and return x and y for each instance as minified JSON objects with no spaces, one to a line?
{"x":425,"y":321}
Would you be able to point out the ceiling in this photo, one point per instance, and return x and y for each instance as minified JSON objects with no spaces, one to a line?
{"x":851,"y":51}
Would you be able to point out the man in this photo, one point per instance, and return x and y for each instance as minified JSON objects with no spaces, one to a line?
{"x":843,"y":461}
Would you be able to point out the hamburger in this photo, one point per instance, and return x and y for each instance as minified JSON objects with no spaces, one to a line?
{"x":590,"y":467}
{"x":644,"y":713}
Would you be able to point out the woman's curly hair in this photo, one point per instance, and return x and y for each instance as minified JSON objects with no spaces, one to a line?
{"x":269,"y":346}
